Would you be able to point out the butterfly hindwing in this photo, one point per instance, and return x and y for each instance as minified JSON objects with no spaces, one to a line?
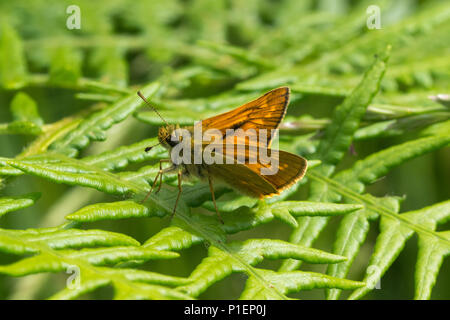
{"x":290,"y":169}
{"x":249,"y":182}
{"x":260,"y":178}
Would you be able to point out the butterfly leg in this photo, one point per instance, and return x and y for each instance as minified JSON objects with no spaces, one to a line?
{"x":159,"y":174}
{"x":214,"y":197}
{"x":180,"y":173}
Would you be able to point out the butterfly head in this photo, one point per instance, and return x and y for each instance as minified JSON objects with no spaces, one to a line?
{"x":165,"y":136}
{"x":165,"y":132}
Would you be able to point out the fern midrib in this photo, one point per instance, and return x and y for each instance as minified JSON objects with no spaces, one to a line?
{"x":41,"y":144}
{"x":206,"y":235}
{"x":134,"y":187}
{"x":381,"y":209}
{"x":51,"y":133}
{"x":142,"y":174}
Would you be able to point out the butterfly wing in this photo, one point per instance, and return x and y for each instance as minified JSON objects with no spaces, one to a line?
{"x":291,"y":168}
{"x":242,"y":178}
{"x":266,"y":112}
{"x":248,"y":176}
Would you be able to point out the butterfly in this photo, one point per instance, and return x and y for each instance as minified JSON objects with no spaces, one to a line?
{"x":240,"y":164}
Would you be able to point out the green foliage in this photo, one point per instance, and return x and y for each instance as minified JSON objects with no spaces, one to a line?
{"x":8,"y":204}
{"x":13,"y":64}
{"x":76,"y":131}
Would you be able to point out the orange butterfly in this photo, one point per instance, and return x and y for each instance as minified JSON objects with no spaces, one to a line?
{"x":242,"y":139}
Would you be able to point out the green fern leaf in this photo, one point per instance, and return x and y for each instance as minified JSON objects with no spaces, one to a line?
{"x":26,"y":119}
{"x":293,"y":281}
{"x":9,"y":204}
{"x":219,"y":265}
{"x":62,"y":169}
{"x":197,"y":63}
{"x":93,"y":127}
{"x":13,"y":68}
{"x":105,"y":211}
{"x":353,"y":229}
{"x":54,"y":252}
{"x":336,"y":142}
{"x":395,"y":231}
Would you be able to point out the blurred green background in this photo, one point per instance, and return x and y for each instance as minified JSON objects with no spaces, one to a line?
{"x":201,"y":49}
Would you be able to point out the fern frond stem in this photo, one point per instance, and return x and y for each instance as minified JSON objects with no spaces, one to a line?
{"x":206,"y":235}
{"x":348,"y":193}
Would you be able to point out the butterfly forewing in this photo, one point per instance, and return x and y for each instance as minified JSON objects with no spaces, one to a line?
{"x":266,"y":112}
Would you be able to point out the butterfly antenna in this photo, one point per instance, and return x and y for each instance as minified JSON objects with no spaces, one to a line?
{"x":154,"y":109}
{"x":151,"y":147}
